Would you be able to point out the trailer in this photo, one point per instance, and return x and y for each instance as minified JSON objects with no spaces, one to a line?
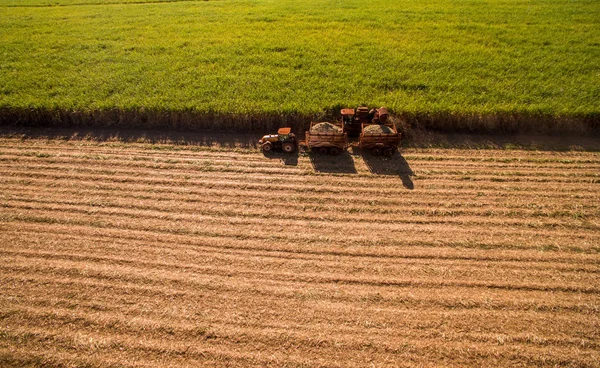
{"x":382,"y":139}
{"x":332,"y":143}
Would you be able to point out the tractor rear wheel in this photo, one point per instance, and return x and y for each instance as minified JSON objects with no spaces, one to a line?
{"x":376,"y":151}
{"x":334,"y":151}
{"x":288,"y":147}
{"x":267,"y":147}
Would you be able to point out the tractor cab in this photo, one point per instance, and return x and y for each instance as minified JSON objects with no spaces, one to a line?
{"x":353,"y":119}
{"x":285,"y":134}
{"x":347,"y":116}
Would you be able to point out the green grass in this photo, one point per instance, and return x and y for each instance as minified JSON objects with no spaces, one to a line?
{"x":438,"y":59}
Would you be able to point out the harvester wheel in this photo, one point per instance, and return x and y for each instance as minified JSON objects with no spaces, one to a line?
{"x":323,"y":150}
{"x":267,"y":147}
{"x":376,"y":151}
{"x":334,"y":151}
{"x":388,"y":151}
{"x":288,"y":147}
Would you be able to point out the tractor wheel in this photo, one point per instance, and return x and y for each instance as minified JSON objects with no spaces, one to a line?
{"x":267,"y":147}
{"x":334,"y":151}
{"x":376,"y":151}
{"x":388,"y":151}
{"x":323,"y":150}
{"x":288,"y":147}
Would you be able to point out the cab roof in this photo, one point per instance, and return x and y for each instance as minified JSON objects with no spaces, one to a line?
{"x":284,"y":131}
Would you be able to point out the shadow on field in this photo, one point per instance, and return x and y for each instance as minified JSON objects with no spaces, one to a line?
{"x":423,"y":139}
{"x":414,"y":139}
{"x":339,"y":164}
{"x":395,"y":165}
{"x":207,"y":138}
{"x":288,"y":159}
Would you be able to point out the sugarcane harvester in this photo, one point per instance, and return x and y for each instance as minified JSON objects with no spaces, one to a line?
{"x":354,"y":119}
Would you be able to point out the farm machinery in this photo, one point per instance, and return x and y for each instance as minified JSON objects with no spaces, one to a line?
{"x":372,"y":127}
{"x":284,"y":141}
{"x":354,"y":119}
{"x":331,"y":141}
{"x":380,"y":139}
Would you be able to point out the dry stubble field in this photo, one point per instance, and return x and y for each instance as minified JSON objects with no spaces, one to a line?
{"x":140,"y":254}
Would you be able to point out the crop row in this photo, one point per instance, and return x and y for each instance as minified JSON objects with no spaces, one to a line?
{"x":134,"y":255}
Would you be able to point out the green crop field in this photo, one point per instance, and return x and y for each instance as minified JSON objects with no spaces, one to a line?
{"x":103,"y":61}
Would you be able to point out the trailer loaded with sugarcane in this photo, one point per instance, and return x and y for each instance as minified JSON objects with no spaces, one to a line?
{"x":326,"y":138}
{"x":375,"y":131}
{"x":380,"y":138}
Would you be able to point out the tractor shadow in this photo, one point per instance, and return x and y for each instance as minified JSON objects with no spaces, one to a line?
{"x":148,"y":136}
{"x":395,"y":165}
{"x":288,"y":159}
{"x":333,"y":164}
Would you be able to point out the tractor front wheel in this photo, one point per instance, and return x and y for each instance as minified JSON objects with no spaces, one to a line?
{"x":267,"y":147}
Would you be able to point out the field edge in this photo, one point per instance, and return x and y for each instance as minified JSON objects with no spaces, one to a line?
{"x":448,"y":122}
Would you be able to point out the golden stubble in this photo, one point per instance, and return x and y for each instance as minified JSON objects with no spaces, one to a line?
{"x":129,"y":255}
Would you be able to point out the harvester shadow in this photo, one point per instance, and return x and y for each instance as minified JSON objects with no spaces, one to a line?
{"x":395,"y":165}
{"x":288,"y":159}
{"x":336,"y":164}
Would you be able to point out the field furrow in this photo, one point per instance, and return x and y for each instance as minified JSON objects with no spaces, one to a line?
{"x":165,"y":243}
{"x":246,"y":223}
{"x":326,"y":221}
{"x":506,"y":166}
{"x":192,"y":192}
{"x":136,"y":254}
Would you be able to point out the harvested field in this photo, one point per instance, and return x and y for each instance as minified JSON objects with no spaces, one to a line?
{"x":145,"y":255}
